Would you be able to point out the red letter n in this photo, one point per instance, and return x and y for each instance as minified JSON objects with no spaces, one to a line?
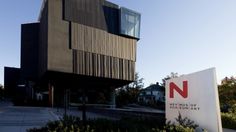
{"x":183,"y":93}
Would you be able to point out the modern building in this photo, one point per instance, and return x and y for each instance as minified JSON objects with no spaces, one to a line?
{"x":152,"y":94}
{"x":11,"y":80}
{"x":79,"y":45}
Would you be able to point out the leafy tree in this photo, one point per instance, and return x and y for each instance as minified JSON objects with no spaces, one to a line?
{"x":172,"y":75}
{"x":227,"y":93}
{"x":129,"y":93}
{"x":1,"y":90}
{"x":138,"y":83}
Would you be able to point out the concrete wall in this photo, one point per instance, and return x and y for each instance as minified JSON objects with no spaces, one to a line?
{"x":43,"y":42}
{"x":59,"y":54}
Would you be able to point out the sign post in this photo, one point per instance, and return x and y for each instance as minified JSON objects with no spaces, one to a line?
{"x":195,"y":96}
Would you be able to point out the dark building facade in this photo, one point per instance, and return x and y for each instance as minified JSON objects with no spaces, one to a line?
{"x":79,"y":44}
{"x":11,"y":80}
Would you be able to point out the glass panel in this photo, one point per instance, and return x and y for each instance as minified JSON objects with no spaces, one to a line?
{"x":130,"y":23}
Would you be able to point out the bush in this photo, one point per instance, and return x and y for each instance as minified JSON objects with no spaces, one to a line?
{"x":74,"y":124}
{"x":185,"y":122}
{"x":134,"y":124}
{"x":184,"y":125}
{"x":126,"y":124}
{"x":232,"y":109}
{"x":228,"y":120}
{"x":66,"y":124}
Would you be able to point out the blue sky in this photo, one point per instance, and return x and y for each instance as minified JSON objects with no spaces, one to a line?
{"x":181,"y":36}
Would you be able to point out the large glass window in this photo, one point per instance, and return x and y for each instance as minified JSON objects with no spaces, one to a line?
{"x":130,"y":22}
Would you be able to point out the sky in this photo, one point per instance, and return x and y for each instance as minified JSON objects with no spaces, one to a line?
{"x":182,"y":36}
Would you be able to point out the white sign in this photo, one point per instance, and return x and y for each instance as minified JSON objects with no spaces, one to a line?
{"x":195,"y":96}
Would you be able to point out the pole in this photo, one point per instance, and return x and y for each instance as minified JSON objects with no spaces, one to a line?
{"x":84,"y":108}
{"x":65,"y":102}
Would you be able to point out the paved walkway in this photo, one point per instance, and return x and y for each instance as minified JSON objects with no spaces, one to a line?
{"x":228,"y":130}
{"x":19,"y":119}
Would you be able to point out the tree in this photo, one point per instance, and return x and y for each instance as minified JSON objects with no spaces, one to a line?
{"x":1,"y":90}
{"x":227,"y":93}
{"x":129,"y":93}
{"x":138,"y":82}
{"x":172,"y":75}
{"x":228,"y":81}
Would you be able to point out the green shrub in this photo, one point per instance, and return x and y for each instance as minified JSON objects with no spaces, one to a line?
{"x":185,"y":122}
{"x":126,"y":124}
{"x":134,"y":124}
{"x":232,"y":109}
{"x":229,"y":120}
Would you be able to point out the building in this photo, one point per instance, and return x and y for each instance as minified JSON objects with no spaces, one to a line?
{"x":152,"y":94}
{"x":79,"y":45}
{"x":11,"y":80}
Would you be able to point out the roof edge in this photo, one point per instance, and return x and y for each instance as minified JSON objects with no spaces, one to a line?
{"x":41,"y":10}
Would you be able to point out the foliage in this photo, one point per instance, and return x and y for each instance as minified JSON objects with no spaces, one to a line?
{"x":73,"y":124}
{"x":178,"y":128}
{"x":129,"y":93}
{"x":125,"y":124}
{"x":227,"y":93}
{"x":172,"y":75}
{"x":232,"y":109}
{"x":1,"y":91}
{"x":138,"y":82}
{"x":183,"y":125}
{"x":227,"y":96}
{"x":228,"y":120}
{"x":66,"y":124}
{"x":185,"y":122}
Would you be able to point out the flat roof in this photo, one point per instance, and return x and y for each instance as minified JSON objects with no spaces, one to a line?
{"x":44,"y":2}
{"x":115,"y":5}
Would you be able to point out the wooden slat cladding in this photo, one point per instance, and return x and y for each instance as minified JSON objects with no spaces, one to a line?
{"x":86,"y":12}
{"x":97,"y":65}
{"x":94,"y":40}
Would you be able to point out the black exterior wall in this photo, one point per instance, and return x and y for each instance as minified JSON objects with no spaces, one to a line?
{"x":11,"y":80}
{"x":29,"y":51}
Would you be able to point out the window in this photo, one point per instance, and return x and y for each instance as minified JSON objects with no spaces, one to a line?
{"x":130,"y":23}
